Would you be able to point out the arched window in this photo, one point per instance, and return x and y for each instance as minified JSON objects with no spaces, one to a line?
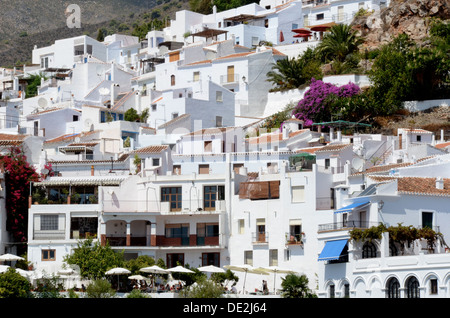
{"x":369,"y":250}
{"x":393,"y":250}
{"x":393,"y":288}
{"x":172,"y":80}
{"x":412,"y":288}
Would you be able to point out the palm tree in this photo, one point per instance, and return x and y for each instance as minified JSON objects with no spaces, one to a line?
{"x":340,"y":42}
{"x":286,"y":74}
{"x":296,"y":286}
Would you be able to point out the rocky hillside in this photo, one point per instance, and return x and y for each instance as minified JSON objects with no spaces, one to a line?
{"x":42,"y":22}
{"x":409,"y":16}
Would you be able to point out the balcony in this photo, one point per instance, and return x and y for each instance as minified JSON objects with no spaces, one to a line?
{"x":260,"y":237}
{"x":229,"y":79}
{"x":345,"y":226}
{"x":182,"y":207}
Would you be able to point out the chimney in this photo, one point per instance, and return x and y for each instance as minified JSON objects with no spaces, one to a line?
{"x":115,"y":89}
{"x":442,"y":135}
{"x":439,"y":183}
{"x":286,"y":130}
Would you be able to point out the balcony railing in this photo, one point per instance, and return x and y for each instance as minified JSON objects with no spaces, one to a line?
{"x":340,"y":226}
{"x":229,"y":79}
{"x":260,"y":237}
{"x":172,"y":208}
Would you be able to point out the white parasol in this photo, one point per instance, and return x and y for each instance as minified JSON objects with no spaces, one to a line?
{"x":211,"y":269}
{"x":275,"y":270}
{"x":246,"y":269}
{"x":10,"y":257}
{"x":179,"y":269}
{"x":118,"y":271}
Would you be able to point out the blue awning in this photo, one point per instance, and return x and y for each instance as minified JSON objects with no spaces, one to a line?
{"x":352,"y":206}
{"x":332,"y":250}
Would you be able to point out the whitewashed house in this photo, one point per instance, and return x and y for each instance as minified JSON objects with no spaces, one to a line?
{"x":386,"y":268}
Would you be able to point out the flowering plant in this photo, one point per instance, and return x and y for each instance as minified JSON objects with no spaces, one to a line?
{"x":316,"y":104}
{"x":18,"y":175}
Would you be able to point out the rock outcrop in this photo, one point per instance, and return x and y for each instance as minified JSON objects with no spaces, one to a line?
{"x":411,"y":17}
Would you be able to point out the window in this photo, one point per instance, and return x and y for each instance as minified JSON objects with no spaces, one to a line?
{"x":49,"y":222}
{"x":155,"y":162}
{"x":298,"y":194}
{"x":44,"y":62}
{"x":433,"y":286}
{"x":369,"y":250}
{"x":153,"y":107}
{"x":210,"y":195}
{"x":219,"y":121}
{"x":48,"y":255}
{"x":75,"y":118}
{"x":418,"y":138}
{"x":196,"y":76}
{"x":319,"y":16}
{"x":172,"y":80}
{"x":347,"y":290}
{"x":211,"y":259}
{"x":180,"y":231}
{"x":172,"y":195}
{"x":273,"y":257}
{"x":241,"y":226}
{"x":205,"y":230}
{"x":427,"y":219}
{"x":393,"y":288}
{"x":207,"y":146}
{"x":295,"y":231}
{"x":203,"y":169}
{"x":174,"y":258}
{"x":327,"y":163}
{"x":83,"y":227}
{"x":248,"y":258}
{"x":230,"y":74}
{"x":332,"y":291}
{"x":176,"y":169}
{"x":412,"y":288}
{"x":260,"y":230}
{"x":174,"y":115}
{"x":219,"y":97}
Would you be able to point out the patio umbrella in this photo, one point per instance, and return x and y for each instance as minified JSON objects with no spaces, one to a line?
{"x":118,"y":271}
{"x":153,"y":269}
{"x":211,"y":269}
{"x":3,"y":268}
{"x":275,"y":270}
{"x":24,"y":273}
{"x":246,"y":269}
{"x":137,"y":277}
{"x":179,"y":269}
{"x":10,"y":257}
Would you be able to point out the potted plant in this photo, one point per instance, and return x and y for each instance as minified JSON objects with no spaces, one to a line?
{"x":75,"y":198}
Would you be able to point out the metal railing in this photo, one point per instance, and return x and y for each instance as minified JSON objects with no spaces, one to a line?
{"x":346,"y":225}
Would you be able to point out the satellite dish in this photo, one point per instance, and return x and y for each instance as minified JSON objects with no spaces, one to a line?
{"x":77,"y":139}
{"x":357,"y":164}
{"x":42,"y":102}
{"x":104,"y":91}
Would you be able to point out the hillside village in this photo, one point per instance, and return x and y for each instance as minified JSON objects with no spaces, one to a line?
{"x":155,"y":147}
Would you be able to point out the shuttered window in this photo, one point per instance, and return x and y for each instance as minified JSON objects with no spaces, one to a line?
{"x":259,"y":190}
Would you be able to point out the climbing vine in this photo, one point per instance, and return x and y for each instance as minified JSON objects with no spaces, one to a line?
{"x":18,"y":175}
{"x":400,"y":234}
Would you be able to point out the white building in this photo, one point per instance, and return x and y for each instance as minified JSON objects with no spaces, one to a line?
{"x":382,"y":267}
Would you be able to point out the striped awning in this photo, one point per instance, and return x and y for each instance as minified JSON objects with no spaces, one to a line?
{"x":79,"y":181}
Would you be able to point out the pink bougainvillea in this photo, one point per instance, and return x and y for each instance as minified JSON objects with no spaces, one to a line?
{"x":315,"y":104}
{"x":18,"y":175}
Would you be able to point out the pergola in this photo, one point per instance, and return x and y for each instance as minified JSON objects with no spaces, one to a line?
{"x":209,"y":33}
